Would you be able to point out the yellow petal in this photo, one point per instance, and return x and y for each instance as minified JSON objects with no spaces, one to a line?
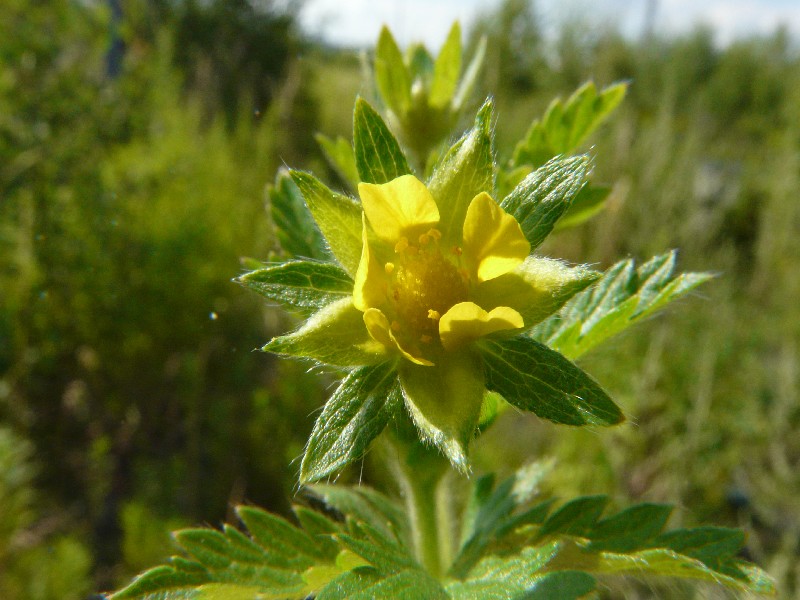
{"x":370,"y":285}
{"x":379,"y":328}
{"x":466,"y":322}
{"x":399,"y":207}
{"x":493,"y":241}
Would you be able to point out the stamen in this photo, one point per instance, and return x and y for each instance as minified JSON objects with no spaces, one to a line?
{"x":424,"y":239}
{"x":401,"y":245}
{"x":388,"y":267}
{"x":395,"y":326}
{"x":456,"y":250}
{"x":433,"y":314}
{"x":464,"y":275}
{"x":435,"y":234}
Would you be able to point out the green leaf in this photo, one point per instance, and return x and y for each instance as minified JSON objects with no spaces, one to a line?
{"x":545,"y":195}
{"x":301,"y":285}
{"x":623,"y":296}
{"x":379,"y":158}
{"x":505,"y":577}
{"x":466,"y":170}
{"x":366,"y":583}
{"x":563,"y":585}
{"x":533,"y":377}
{"x":338,"y":217}
{"x":576,"y":518}
{"x":470,"y":78}
{"x":335,"y":335}
{"x":391,"y":75}
{"x":354,"y":416}
{"x":536,"y":289}
{"x":629,"y":529}
{"x":386,"y":553}
{"x":589,"y":201}
{"x":566,"y":126}
{"x":444,"y":402}
{"x":447,"y":69}
{"x":340,"y":155}
{"x":294,"y":227}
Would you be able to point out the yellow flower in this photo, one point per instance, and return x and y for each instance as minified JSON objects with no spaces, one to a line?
{"x":417,"y":284}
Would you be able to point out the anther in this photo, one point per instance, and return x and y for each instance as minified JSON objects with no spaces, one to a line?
{"x":424,"y":239}
{"x":388,"y":267}
{"x":456,"y":250}
{"x":435,"y":234}
{"x":433,"y":314}
{"x":401,"y":245}
{"x":395,"y":326}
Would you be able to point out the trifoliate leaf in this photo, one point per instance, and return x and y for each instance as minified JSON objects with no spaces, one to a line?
{"x":391,"y":74}
{"x":302,"y":285}
{"x":339,"y":154}
{"x":545,"y":195}
{"x":466,"y":170}
{"x":354,"y":416}
{"x":533,"y":377}
{"x":447,"y":69}
{"x":379,"y":158}
{"x":335,"y":335}
{"x":338,"y":217}
{"x":623,"y":296}
{"x":294,"y":228}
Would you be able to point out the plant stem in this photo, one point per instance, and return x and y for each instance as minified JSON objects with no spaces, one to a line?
{"x":420,"y":493}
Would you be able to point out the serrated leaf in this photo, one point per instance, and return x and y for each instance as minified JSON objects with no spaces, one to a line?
{"x":302,"y":285}
{"x":366,"y":584}
{"x":535,"y":378}
{"x":391,"y":74}
{"x":629,"y":529}
{"x":576,"y":518}
{"x":545,"y":195}
{"x":280,"y":538}
{"x":385,"y":553}
{"x":589,"y":201}
{"x":447,"y":69}
{"x":162,"y":578}
{"x":466,"y":170}
{"x":208,"y":546}
{"x":622,"y":297}
{"x":354,"y":416}
{"x":335,"y":335}
{"x":339,"y":154}
{"x":444,"y":402}
{"x":338,"y":217}
{"x":294,"y":228}
{"x":565,"y":126}
{"x":379,"y":158}
{"x":505,"y":577}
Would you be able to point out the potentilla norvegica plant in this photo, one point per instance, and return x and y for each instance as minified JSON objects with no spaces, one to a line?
{"x":421,"y":286}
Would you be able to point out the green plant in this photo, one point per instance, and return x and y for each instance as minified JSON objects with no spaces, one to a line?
{"x":427,"y":298}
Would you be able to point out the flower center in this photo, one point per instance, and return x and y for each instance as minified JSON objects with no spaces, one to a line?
{"x":424,"y":284}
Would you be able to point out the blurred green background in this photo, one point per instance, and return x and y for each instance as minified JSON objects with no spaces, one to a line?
{"x":136,"y":141}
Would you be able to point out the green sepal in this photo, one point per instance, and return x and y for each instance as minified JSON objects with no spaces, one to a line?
{"x":335,"y":335}
{"x":545,"y":195}
{"x":624,"y":296}
{"x":294,"y":228}
{"x":391,"y":74}
{"x":302,"y":285}
{"x":536,"y":289}
{"x":379,"y":158}
{"x":354,"y":415}
{"x":444,"y":402}
{"x":338,"y":217}
{"x":339,"y":153}
{"x":532,"y":377}
{"x":466,"y":170}
{"x":447,"y":69}
{"x":589,"y":201}
{"x":565,"y":126}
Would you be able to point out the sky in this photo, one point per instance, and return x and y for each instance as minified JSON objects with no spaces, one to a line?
{"x":357,"y":22}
